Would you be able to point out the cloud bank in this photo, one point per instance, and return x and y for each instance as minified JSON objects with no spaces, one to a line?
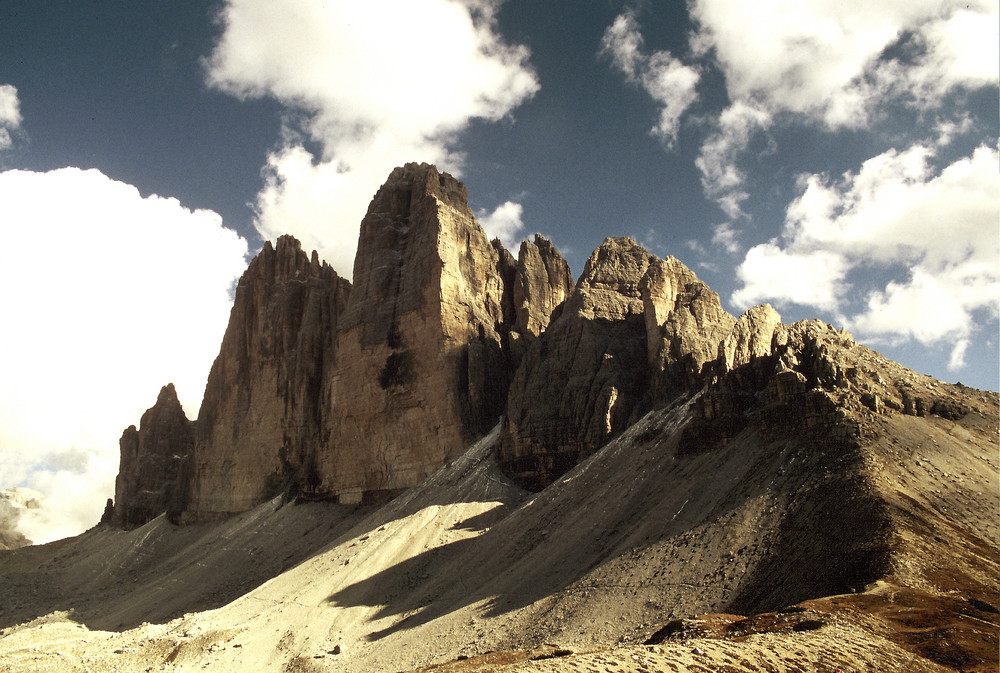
{"x":835,"y":65}
{"x":895,"y":211}
{"x":109,"y":296}
{"x":368,"y":86}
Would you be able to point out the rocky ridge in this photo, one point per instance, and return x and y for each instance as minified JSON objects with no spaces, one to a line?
{"x":354,"y":392}
{"x":704,"y":491}
{"x":264,"y":404}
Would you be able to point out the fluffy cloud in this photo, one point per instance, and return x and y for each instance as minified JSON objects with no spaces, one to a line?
{"x":718,"y":161}
{"x":896,"y":212}
{"x":504,"y":223}
{"x":667,"y":81}
{"x":109,"y":296}
{"x":833,"y":64}
{"x":831,"y":60}
{"x":808,"y":278}
{"x":373,"y":96}
{"x":10,"y":114}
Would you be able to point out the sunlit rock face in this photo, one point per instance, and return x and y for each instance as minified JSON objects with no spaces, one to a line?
{"x":581,"y":379}
{"x":685,"y":324}
{"x":151,"y":461}
{"x":543,"y":281}
{"x":261,"y":418}
{"x":328,"y":390}
{"x":636,"y":332}
{"x":354,"y":392}
{"x":423,"y":361}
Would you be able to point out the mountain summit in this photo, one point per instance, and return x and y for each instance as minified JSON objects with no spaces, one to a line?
{"x":465,"y":462}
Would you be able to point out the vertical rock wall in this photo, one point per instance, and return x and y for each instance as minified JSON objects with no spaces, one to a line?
{"x":151,"y":459}
{"x":637,"y":331}
{"x":542,"y":283}
{"x":326,"y":389}
{"x":424,"y":365}
{"x":685,"y":324}
{"x":260,"y":420}
{"x":581,"y":379}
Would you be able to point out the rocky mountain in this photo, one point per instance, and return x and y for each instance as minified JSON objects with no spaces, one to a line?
{"x":263,"y":409}
{"x":465,"y":462}
{"x":353,"y":392}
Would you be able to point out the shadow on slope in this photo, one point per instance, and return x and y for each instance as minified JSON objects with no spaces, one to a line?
{"x":111,"y":579}
{"x":641,"y":532}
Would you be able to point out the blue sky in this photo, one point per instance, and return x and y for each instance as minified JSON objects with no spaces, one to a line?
{"x":837,"y":160}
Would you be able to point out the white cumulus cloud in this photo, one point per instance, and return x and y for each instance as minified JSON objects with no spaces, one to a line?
{"x":378,"y":84}
{"x":833,"y":65}
{"x":897,"y":211}
{"x":666,"y":79}
{"x":821,"y":58}
{"x":10,"y":114}
{"x":808,"y":278}
{"x":504,"y":223}
{"x":108,"y":296}
{"x":718,"y":161}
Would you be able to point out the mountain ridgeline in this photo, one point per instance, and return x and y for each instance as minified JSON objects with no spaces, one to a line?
{"x":353,"y":392}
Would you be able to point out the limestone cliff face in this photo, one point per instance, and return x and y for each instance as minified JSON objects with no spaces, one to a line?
{"x":685,"y":325}
{"x":543,"y":281}
{"x":637,"y":331}
{"x":423,"y":365}
{"x":581,"y":379}
{"x":151,"y":461}
{"x":324,"y":389}
{"x":260,"y":420}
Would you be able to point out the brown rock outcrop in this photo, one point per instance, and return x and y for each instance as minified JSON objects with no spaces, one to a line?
{"x":423,"y":366}
{"x":685,"y":325}
{"x":327,"y":390}
{"x":751,"y":338}
{"x":580,"y":380}
{"x":151,"y":460}
{"x":808,"y":380}
{"x":260,"y":419}
{"x":542,"y":283}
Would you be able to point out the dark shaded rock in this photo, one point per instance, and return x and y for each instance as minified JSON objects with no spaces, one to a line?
{"x":108,"y":516}
{"x":261,"y":417}
{"x":151,"y":461}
